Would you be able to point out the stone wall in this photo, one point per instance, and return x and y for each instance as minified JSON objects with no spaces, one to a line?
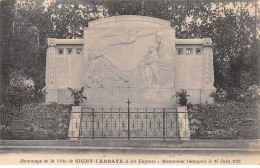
{"x":63,"y":69}
{"x":194,"y":69}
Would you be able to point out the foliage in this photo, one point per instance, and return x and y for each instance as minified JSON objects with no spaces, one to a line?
{"x":233,"y":29}
{"x":2,"y":121}
{"x":248,"y":95}
{"x":78,"y":94}
{"x":43,"y":121}
{"x":20,"y":91}
{"x":224,"y":120}
{"x":6,"y":20}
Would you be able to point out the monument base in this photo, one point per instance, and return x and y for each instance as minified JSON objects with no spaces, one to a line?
{"x":139,"y":98}
{"x":52,"y":95}
{"x":205,"y":95}
{"x":198,"y":96}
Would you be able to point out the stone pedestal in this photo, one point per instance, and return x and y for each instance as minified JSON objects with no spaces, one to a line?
{"x":183,"y":121}
{"x":75,"y":121}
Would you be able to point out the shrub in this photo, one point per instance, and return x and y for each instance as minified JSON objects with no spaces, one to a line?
{"x":20,"y":91}
{"x":225,"y":120}
{"x":43,"y":121}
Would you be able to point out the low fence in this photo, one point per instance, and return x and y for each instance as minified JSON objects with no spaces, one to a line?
{"x":158,"y":123}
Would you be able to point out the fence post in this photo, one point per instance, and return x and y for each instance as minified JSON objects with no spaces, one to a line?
{"x":128,"y":119}
{"x":93,"y":124}
{"x":163,"y":123}
{"x":80,"y":124}
{"x":75,"y":123}
{"x":128,"y":126}
{"x":183,"y":123}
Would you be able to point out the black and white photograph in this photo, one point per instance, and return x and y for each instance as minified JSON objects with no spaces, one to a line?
{"x":129,"y":82}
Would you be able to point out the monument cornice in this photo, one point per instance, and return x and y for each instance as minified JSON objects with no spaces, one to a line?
{"x":53,"y":41}
{"x":114,"y":20}
{"x":189,"y":41}
{"x":204,"y":41}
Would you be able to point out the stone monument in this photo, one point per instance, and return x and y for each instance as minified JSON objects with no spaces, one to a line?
{"x":135,"y":57}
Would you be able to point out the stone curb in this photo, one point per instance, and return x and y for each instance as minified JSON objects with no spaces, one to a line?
{"x":105,"y":143}
{"x":125,"y":148}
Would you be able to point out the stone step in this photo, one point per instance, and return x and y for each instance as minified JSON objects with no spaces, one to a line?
{"x":242,"y":144}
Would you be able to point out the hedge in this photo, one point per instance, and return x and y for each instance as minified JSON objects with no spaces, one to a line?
{"x":41,"y":121}
{"x":226,"y":120}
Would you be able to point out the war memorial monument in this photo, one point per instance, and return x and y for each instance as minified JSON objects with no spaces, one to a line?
{"x":133,"y":57}
{"x":129,"y":59}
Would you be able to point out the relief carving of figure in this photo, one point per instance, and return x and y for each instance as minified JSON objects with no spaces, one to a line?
{"x":100,"y":72}
{"x":154,"y":70}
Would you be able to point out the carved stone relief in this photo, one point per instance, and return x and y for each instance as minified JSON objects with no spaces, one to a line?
{"x":152,"y":71}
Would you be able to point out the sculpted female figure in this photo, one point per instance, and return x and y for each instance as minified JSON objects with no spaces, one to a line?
{"x":153,"y":71}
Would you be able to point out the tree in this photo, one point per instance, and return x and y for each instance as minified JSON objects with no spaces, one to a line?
{"x":20,"y":91}
{"x":6,"y":21}
{"x":232,"y":30}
